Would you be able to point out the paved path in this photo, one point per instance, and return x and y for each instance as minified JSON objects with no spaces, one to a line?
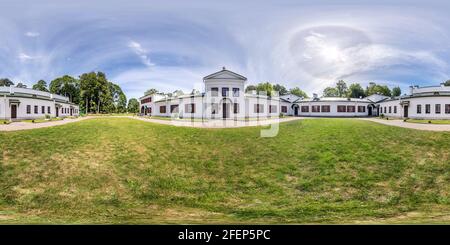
{"x":419,"y":126}
{"x":218,"y":123}
{"x":15,"y":126}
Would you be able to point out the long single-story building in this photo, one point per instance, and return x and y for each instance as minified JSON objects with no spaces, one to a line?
{"x":23,"y":103}
{"x":224,"y":98}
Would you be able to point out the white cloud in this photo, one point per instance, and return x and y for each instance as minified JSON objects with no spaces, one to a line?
{"x":141,"y":52}
{"x":32,"y":34}
{"x":25,"y":57}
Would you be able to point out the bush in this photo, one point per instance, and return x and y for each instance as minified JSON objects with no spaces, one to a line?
{"x":382,"y":115}
{"x":281,"y":115}
{"x":47,"y":116}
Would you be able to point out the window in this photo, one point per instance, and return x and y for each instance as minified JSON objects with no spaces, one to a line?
{"x":225,"y":92}
{"x":146,"y":100}
{"x":272,"y":109}
{"x":437,"y":108}
{"x":189,"y":108}
{"x":315,"y":108}
{"x":385,"y":109}
{"x":390,"y":109}
{"x":28,"y":109}
{"x":43,"y":109}
{"x":36,"y":109}
{"x":48,"y":110}
{"x":284,"y":109}
{"x":214,"y":92}
{"x":361,"y":108}
{"x":173,"y":108}
{"x":305,"y":108}
{"x":341,"y":108}
{"x":419,"y":109}
{"x":259,"y":108}
{"x":325,"y":108}
{"x":235,"y":108}
{"x":214,"y":108}
{"x":395,"y":109}
{"x":235,"y":92}
{"x":350,"y":108}
{"x":427,"y":108}
{"x":162,"y":109}
{"x":447,"y":108}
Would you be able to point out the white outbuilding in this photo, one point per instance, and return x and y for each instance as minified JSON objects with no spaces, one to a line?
{"x":23,"y":103}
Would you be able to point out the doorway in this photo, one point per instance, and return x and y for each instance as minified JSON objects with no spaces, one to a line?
{"x":405,"y":111}
{"x":13,"y":111}
{"x":369,"y":110}
{"x":225,"y":110}
{"x":71,"y":112}
{"x":57,"y":111}
{"x":296,"y":111}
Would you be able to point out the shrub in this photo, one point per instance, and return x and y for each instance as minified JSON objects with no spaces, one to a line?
{"x":429,"y":121}
{"x":382,"y":115}
{"x":281,"y":115}
{"x":47,"y":116}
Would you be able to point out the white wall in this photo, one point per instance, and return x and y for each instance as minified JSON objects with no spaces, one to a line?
{"x":333,"y":109}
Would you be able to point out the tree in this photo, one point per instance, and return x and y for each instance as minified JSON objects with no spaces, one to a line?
{"x":133,"y":106}
{"x":21,"y":85}
{"x":355,"y":91}
{"x":280,"y":88}
{"x":41,"y":85}
{"x":66,"y":86}
{"x":151,"y":91}
{"x":266,"y":88}
{"x":6,"y":82}
{"x":396,"y":91}
{"x":250,"y":88}
{"x":447,"y":83}
{"x":95,"y":93}
{"x":297,"y":91}
{"x":119,"y":100}
{"x":374,"y":88}
{"x":330,"y":92}
{"x":341,"y":87}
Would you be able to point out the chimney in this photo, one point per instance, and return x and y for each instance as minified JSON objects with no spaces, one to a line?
{"x":315,"y":96}
{"x":411,"y":90}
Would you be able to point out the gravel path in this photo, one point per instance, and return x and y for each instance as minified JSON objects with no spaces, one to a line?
{"x":419,"y":126}
{"x":15,"y":126}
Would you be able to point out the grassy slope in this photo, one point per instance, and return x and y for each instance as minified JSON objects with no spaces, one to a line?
{"x":425,"y":121}
{"x":114,"y":170}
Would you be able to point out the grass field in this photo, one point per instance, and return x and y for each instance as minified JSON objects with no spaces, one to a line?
{"x":120,"y":170}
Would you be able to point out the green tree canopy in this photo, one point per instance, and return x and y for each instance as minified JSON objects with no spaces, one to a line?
{"x":66,"y":86}
{"x":250,"y":88}
{"x":297,"y":91}
{"x":341,"y":87}
{"x":355,"y":91}
{"x":133,"y":106}
{"x":95,"y":93}
{"x":266,"y":88}
{"x":330,"y":92}
{"x":396,"y":91}
{"x":41,"y":85}
{"x":21,"y":85}
{"x":374,"y":88}
{"x":447,"y":83}
{"x":151,"y":91}
{"x":6,"y":82}
{"x":281,"y":89}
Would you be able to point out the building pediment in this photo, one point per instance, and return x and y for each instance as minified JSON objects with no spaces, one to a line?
{"x":225,"y":74}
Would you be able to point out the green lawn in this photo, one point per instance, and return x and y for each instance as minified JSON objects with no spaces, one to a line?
{"x":120,"y":170}
{"x":4,"y":122}
{"x":428,"y":121}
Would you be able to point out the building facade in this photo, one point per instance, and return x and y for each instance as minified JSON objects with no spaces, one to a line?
{"x":23,"y":103}
{"x":225,"y":98}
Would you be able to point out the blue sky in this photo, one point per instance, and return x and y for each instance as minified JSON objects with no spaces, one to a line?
{"x":169,"y":45}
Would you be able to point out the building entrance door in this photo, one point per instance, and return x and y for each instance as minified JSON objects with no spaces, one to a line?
{"x":405,"y":111}
{"x":13,"y":111}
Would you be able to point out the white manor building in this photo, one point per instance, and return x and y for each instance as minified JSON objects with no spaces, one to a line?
{"x":224,"y":98}
{"x":23,"y":103}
